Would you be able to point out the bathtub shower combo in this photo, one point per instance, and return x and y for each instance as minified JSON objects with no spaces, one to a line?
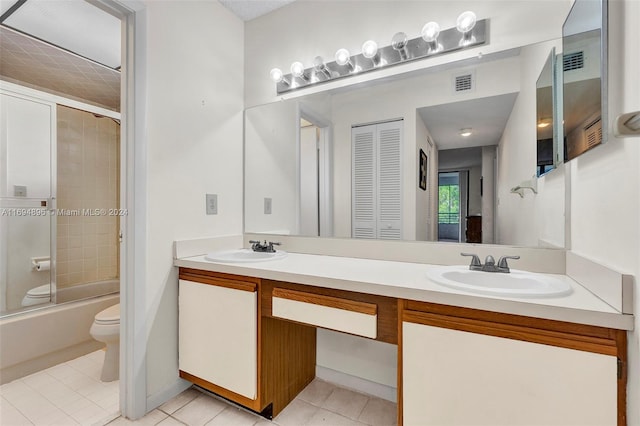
{"x":59,"y":225}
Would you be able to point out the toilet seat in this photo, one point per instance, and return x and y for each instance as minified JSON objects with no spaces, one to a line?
{"x":109,"y":316}
{"x":40,"y":291}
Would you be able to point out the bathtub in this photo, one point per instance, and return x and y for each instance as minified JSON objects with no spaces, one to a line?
{"x":46,"y":336}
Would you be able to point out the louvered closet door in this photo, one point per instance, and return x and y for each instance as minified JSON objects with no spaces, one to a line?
{"x":389,"y":180}
{"x":377,"y":181}
{"x":363,"y":190}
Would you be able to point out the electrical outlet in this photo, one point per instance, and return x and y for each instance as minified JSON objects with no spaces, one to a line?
{"x":267,"y":206}
{"x":212,"y":203}
{"x":19,"y":191}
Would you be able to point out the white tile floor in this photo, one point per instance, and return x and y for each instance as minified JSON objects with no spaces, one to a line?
{"x":68,"y":394}
{"x":72,"y":394}
{"x":321,"y":403}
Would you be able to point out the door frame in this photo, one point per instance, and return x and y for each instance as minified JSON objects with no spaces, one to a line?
{"x":133,"y":171}
{"x":325,"y":168}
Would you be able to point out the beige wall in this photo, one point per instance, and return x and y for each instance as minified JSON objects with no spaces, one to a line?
{"x":88,"y":178}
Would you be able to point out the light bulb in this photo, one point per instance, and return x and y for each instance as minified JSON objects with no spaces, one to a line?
{"x":399,"y":43}
{"x":466,"y":21}
{"x":297,"y":69}
{"x":430,"y":32}
{"x":276,"y":75}
{"x":369,"y":49}
{"x":320,"y":67}
{"x":465,"y":132}
{"x":343,"y":57}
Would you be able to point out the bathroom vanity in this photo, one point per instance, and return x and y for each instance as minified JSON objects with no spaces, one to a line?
{"x":248,"y":334}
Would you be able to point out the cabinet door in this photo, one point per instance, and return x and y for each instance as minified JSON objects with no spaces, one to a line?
{"x":453,"y":377}
{"x":218,"y":336}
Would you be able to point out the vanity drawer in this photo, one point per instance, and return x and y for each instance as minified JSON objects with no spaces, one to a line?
{"x":334,"y":313}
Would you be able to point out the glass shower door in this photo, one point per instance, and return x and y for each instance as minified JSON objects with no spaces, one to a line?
{"x":27,"y":205}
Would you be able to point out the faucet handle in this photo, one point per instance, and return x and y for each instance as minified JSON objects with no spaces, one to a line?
{"x":489,"y":261}
{"x":274,"y":243}
{"x":254,"y":242}
{"x":502,"y":263}
{"x":475,"y":260}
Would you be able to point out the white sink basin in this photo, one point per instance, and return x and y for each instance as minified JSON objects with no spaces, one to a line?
{"x":244,"y":256}
{"x":514,"y":284}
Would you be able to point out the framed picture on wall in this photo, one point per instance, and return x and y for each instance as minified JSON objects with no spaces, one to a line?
{"x":422,"y":182}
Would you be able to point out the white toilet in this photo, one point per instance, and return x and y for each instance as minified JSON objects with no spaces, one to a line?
{"x":37,"y":295}
{"x":106,"y":328}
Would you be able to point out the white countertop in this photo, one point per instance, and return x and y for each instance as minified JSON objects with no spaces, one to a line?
{"x":409,"y":281}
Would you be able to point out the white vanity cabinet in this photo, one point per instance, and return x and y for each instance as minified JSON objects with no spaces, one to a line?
{"x":218,"y":333}
{"x":458,"y":370}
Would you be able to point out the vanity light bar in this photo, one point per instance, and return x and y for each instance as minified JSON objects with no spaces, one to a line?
{"x":447,"y":41}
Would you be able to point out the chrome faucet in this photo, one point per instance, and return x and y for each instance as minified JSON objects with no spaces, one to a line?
{"x":489,"y":263}
{"x":263,"y":247}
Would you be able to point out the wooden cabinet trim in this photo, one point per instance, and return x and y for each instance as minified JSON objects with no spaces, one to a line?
{"x":512,"y":319}
{"x":253,"y":404}
{"x":331,"y":302}
{"x":516,"y":332}
{"x":236,"y":284}
{"x":387,"y":314}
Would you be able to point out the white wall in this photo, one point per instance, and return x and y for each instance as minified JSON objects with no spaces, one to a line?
{"x":425,"y":204}
{"x":521,"y":221}
{"x":475,"y":201}
{"x":488,"y":194}
{"x":194,"y":83}
{"x":270,"y":164}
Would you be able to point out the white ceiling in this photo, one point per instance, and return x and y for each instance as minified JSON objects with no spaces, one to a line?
{"x":487,"y":117}
{"x":251,"y":9}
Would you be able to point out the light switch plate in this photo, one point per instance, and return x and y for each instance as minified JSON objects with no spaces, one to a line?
{"x":212,"y":203}
{"x":267,"y":206}
{"x":19,"y":191}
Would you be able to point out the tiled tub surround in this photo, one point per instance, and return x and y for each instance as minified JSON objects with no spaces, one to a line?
{"x":88,"y":178}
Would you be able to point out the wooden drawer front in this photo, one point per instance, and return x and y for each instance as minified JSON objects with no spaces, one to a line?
{"x":348,"y":316}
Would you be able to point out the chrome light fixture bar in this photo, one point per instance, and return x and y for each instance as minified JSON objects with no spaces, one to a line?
{"x":432,"y":42}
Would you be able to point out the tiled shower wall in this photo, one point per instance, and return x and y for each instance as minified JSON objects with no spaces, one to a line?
{"x":88,"y":179}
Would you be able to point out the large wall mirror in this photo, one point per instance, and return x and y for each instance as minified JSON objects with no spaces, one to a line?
{"x":429,"y":156}
{"x":584,"y":77}
{"x":547,"y":116}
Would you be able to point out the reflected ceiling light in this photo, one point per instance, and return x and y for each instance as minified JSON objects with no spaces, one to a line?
{"x":465,"y":132}
{"x":545,"y":122}
{"x":297,"y":70}
{"x":399,"y":44}
{"x":343,"y":57}
{"x":277,"y":76}
{"x":321,"y":68}
{"x":370,"y":51}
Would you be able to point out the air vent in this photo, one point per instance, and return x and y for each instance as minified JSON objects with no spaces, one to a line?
{"x":573,"y":61}
{"x":593,"y":133}
{"x":463,"y":83}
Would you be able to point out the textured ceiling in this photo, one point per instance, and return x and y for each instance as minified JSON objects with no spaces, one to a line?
{"x":250,"y":9}
{"x":39,"y":65}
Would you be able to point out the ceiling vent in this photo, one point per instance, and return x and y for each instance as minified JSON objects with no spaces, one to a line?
{"x":463,"y":83}
{"x":573,"y":61}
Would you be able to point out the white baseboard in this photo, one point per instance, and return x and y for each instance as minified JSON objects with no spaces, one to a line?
{"x":159,"y":398}
{"x":357,"y":383}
